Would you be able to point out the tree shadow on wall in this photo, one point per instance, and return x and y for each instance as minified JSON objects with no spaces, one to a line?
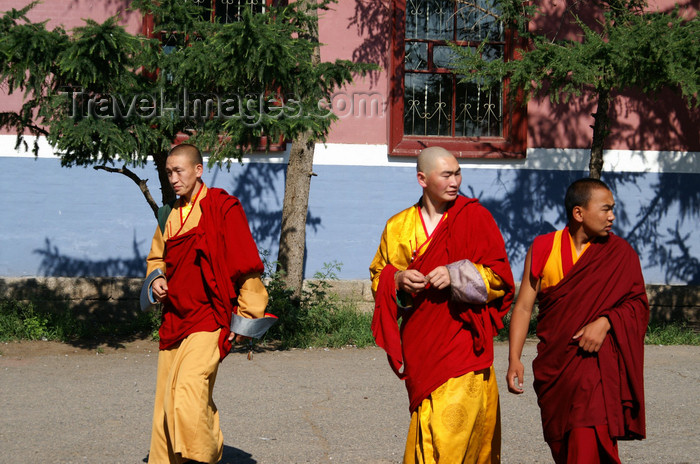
{"x":655,"y":228}
{"x":121,"y":6}
{"x":101,"y":305}
{"x":258,"y":189}
{"x":664,"y":120}
{"x":658,"y":233}
{"x":520,"y":215}
{"x":55,"y":264}
{"x":372,"y":19}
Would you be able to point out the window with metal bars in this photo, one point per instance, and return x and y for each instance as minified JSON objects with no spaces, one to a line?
{"x":431,"y":104}
{"x":228,"y":11}
{"x":223,"y":11}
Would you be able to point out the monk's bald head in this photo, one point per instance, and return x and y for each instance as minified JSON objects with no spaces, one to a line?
{"x":427,"y":159}
{"x":188,"y":150}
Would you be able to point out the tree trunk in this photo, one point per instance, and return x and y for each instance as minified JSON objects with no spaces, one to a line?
{"x":294,"y":211}
{"x":166,"y":190}
{"x":601,"y":122}
{"x":296,"y":191}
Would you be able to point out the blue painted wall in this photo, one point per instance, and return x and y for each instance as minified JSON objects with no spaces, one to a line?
{"x":79,"y":222}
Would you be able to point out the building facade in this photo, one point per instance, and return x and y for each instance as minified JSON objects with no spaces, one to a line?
{"x":517,"y":160}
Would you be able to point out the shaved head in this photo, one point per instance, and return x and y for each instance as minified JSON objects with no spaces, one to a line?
{"x":427,"y":159}
{"x":188,"y":150}
{"x":579,"y":193}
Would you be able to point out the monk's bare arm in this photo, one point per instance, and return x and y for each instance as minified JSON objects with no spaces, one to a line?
{"x":519,"y":324}
{"x":160,"y":288}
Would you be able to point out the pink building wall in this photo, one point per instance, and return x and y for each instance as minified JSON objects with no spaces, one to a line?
{"x":360,"y":31}
{"x":638,"y":122}
{"x":68,"y":14}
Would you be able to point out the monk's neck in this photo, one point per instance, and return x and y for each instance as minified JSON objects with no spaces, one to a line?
{"x":579,"y":237}
{"x":432,"y":213}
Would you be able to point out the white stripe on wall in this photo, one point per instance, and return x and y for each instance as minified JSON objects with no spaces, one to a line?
{"x":564,"y":159}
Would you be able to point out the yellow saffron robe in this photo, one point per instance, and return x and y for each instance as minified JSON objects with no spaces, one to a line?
{"x":185,"y":419}
{"x":460,"y":421}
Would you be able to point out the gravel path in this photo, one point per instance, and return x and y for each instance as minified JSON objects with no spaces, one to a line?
{"x":62,"y":404}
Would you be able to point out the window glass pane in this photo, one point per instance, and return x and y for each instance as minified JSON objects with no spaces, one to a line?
{"x":427,"y":104}
{"x":430,"y":19}
{"x":416,"y":55}
{"x":479,"y":112}
{"x":443,"y":56}
{"x":479,"y":22}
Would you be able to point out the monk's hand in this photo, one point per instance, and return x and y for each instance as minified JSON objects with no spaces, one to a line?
{"x":515,"y":376}
{"x":410,"y":281}
{"x":238,"y":338}
{"x":160,"y":288}
{"x":591,"y":336}
{"x":439,"y":277}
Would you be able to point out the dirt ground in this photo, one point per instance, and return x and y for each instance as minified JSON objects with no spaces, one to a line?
{"x":65,"y":404}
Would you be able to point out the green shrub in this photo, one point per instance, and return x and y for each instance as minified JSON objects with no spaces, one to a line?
{"x":670,"y":333}
{"x":20,"y":320}
{"x":23,"y":321}
{"x":319,"y":318}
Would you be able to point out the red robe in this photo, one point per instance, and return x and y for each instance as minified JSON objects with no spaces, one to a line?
{"x":442,"y":339}
{"x":575,"y":388}
{"x":203,"y":266}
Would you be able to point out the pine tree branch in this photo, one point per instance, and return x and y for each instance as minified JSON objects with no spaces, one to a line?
{"x":142,"y":183}
{"x":475,"y":6}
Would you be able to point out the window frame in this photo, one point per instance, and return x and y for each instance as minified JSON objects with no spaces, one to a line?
{"x":513,"y":144}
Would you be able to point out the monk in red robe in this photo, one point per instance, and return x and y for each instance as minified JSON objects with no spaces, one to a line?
{"x":442,"y":268}
{"x":211,"y":270}
{"x":593,"y":314}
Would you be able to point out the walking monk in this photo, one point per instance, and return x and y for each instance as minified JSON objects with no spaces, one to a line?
{"x":593,"y":314}
{"x":208,"y":259}
{"x":442,"y":268}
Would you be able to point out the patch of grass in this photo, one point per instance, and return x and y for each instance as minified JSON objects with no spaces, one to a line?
{"x":24,"y":321}
{"x":671,"y":333}
{"x":319,"y":319}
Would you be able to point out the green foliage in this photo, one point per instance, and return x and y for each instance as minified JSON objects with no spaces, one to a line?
{"x":622,"y":48}
{"x":22,"y":321}
{"x":102,"y":95}
{"x":659,"y":333}
{"x":320,"y":319}
{"x":626,"y":47}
